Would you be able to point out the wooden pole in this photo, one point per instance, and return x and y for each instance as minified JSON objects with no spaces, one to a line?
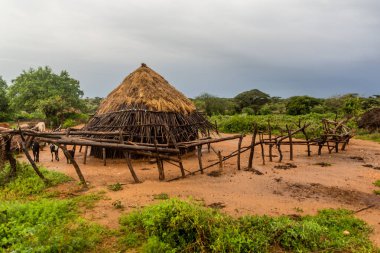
{"x":253,"y":144}
{"x":262,"y":147}
{"x":270,"y":139}
{"x":104,"y":156}
{"x":160,"y":165}
{"x":290,"y":143}
{"x":129,"y":163}
{"x":220,"y":159}
{"x":85,"y":155}
{"x":239,"y":152}
{"x":76,"y":166}
{"x":200,"y":158}
{"x":34,"y":166}
{"x":181,"y":166}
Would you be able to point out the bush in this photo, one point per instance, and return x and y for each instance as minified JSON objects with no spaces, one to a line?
{"x":69,"y":123}
{"x":245,"y":123}
{"x":179,"y":226}
{"x":45,"y":226}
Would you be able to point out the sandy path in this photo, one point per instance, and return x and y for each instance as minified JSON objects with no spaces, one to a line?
{"x":301,"y":190}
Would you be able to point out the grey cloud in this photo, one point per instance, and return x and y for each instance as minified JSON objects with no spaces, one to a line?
{"x":284,"y":47}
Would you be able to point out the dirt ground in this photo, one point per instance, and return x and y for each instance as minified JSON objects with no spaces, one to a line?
{"x":291,"y":190}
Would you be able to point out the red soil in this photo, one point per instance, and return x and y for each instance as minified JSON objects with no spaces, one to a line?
{"x":301,"y":190}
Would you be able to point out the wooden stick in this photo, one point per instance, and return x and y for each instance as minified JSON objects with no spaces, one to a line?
{"x":239,"y":152}
{"x":270,"y":139}
{"x":200,"y":158}
{"x":85,"y":155}
{"x":129,"y":163}
{"x":262,"y":148}
{"x":253,"y":144}
{"x":104,"y":156}
{"x":34,"y":166}
{"x":290,"y":143}
{"x":76,"y":167}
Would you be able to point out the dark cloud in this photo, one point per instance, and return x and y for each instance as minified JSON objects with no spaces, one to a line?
{"x":283,"y":47}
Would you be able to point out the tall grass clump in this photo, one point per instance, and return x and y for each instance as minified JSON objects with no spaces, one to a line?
{"x":180,"y":226}
{"x":27,"y":183}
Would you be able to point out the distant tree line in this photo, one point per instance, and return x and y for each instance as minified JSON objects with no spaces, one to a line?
{"x":58,"y":99}
{"x":256,"y":102}
{"x":42,"y":94}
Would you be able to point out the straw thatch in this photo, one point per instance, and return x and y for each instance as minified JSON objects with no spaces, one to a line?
{"x":147,"y":109}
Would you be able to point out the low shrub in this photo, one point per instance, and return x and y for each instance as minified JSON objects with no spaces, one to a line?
{"x":179,"y":226}
{"x":46,"y":226}
{"x":27,"y":183}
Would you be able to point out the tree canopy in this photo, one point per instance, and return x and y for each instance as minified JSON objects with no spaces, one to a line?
{"x":254,"y":99}
{"x":41,"y":89}
{"x":4,"y":102}
{"x":298,"y":105}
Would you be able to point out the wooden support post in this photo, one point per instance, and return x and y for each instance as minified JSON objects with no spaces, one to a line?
{"x":320,"y":146}
{"x":161,"y":171}
{"x":279,"y":151}
{"x":76,"y":166}
{"x":239,"y":152}
{"x":208,"y":144}
{"x":253,"y":144}
{"x":270,"y":140}
{"x":9,"y":156}
{"x":85,"y":154}
{"x":220,"y":159}
{"x":262,"y":148}
{"x":181,"y":167}
{"x":336,"y":146}
{"x":34,"y":166}
{"x":290,"y":143}
{"x":104,"y":156}
{"x":160,"y":165}
{"x":199,"y":147}
{"x":129,"y":163}
{"x":80,"y":149}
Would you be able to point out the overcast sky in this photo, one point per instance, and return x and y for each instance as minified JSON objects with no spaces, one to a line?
{"x":282,"y":47}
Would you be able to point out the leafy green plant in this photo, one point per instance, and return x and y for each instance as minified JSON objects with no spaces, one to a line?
{"x":377,"y":183}
{"x":115,"y":187}
{"x":180,"y":226}
{"x":46,"y":226}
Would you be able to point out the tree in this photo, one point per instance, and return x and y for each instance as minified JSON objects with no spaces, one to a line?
{"x":214,"y":105}
{"x":41,"y":89}
{"x":4,"y":102}
{"x":253,"y":99}
{"x":298,"y":105}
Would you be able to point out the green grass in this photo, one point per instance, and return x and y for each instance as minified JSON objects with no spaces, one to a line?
{"x":115,"y":187}
{"x":179,"y":226}
{"x":364,"y":135}
{"x":46,"y":225}
{"x":27,"y":183}
{"x":377,"y":183}
{"x":32,"y":220}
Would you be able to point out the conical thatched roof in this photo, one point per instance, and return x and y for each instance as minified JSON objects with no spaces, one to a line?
{"x":147,"y":109}
{"x":146,"y":89}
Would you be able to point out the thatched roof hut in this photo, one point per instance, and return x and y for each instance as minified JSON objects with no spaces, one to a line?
{"x":147,"y":109}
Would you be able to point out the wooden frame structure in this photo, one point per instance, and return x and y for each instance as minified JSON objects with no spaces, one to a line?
{"x":334,"y":134}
